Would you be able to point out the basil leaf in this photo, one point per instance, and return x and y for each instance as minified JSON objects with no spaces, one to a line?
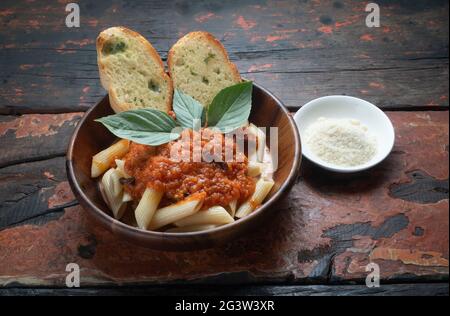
{"x":143,"y":126}
{"x":187,"y":109}
{"x":231,"y":107}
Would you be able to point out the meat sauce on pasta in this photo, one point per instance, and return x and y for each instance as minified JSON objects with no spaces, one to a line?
{"x":223,"y":182}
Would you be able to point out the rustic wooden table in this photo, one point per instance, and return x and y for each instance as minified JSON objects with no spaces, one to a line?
{"x":327,"y":230}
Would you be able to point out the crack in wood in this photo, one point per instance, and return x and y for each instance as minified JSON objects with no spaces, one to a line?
{"x":423,"y":58}
{"x":423,"y":289}
{"x":31,"y":138}
{"x":336,"y":70}
{"x":330,"y":271}
{"x":32,"y":159}
{"x":38,"y":188}
{"x":416,"y":108}
{"x":41,"y":218}
{"x":30,"y":74}
{"x":321,"y":71}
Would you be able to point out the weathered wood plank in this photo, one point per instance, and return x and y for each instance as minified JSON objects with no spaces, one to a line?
{"x":299,"y":50}
{"x":384,"y":88}
{"x":327,"y":230}
{"x":35,"y":136}
{"x":33,"y":193}
{"x":430,"y":289}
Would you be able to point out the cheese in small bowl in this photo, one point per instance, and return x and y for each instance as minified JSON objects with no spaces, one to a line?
{"x":344,"y":134}
{"x":344,"y":142}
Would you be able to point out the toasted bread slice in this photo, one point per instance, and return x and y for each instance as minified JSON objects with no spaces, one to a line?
{"x":199,"y":66}
{"x":132,"y":71}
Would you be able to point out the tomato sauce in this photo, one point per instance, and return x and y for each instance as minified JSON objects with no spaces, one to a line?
{"x":155,"y":167}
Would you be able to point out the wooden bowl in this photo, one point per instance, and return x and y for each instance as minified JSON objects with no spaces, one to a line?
{"x":91,"y":137}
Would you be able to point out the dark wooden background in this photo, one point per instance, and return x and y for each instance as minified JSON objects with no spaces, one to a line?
{"x":328,"y":228}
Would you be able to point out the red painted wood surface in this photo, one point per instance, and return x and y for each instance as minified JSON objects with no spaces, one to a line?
{"x":328,"y":228}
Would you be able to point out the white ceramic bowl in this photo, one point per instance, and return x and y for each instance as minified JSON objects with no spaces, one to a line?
{"x":337,"y":106}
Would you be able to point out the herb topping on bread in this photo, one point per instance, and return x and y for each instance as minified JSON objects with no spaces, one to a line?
{"x":199,"y":66}
{"x":132,"y":71}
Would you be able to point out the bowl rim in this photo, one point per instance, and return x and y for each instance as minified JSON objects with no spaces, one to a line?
{"x":99,"y":213}
{"x":354,"y":169}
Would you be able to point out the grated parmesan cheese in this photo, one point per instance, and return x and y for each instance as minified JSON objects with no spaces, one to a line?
{"x":342,"y":142}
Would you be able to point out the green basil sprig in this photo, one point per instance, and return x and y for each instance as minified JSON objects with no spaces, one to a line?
{"x":229,"y":110}
{"x":189,"y":112}
{"x":231,"y":107}
{"x":143,"y":126}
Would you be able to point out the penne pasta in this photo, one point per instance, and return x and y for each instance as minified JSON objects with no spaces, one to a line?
{"x":126,"y":197}
{"x":116,"y":187}
{"x":120,"y":166}
{"x":104,"y":159}
{"x":187,"y":229}
{"x":260,"y":142}
{"x":113,"y":196}
{"x":254,"y":168}
{"x":251,"y":144}
{"x":262,"y":188}
{"x":252,"y":130}
{"x":177,"y":211}
{"x":120,"y":211}
{"x":147,"y":206}
{"x":252,"y":156}
{"x":147,"y":167}
{"x":232,"y":208}
{"x":215,"y":215}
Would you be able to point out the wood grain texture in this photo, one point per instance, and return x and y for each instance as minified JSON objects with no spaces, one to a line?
{"x":299,"y":50}
{"x":33,"y":192}
{"x":430,"y":289}
{"x":327,"y":230}
{"x":35,"y":136}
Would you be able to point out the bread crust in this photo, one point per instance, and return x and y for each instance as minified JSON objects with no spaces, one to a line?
{"x":106,"y":81}
{"x":202,"y":35}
